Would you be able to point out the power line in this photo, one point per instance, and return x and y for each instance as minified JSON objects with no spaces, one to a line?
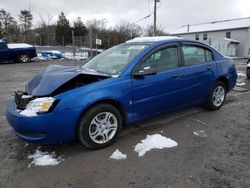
{"x":144,"y":18}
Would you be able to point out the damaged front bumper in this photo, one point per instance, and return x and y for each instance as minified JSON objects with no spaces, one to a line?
{"x":48,"y":128}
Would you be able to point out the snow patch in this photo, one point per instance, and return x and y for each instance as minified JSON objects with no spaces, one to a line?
{"x":200,"y":133}
{"x":118,"y":155}
{"x":241,"y":84}
{"x":26,"y":96}
{"x":78,"y":56}
{"x":241,"y":74}
{"x":54,"y":54}
{"x":40,"y":158}
{"x":19,"y":45}
{"x":155,"y":141}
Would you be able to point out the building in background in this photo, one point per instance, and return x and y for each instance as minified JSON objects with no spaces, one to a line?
{"x":234,"y":29}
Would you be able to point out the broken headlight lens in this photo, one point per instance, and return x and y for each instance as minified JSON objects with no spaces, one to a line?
{"x":40,"y":105}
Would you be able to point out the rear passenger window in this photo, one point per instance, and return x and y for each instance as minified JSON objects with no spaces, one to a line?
{"x":194,"y":55}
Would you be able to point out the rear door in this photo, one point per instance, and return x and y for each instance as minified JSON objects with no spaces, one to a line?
{"x":159,"y":90}
{"x":198,"y":73}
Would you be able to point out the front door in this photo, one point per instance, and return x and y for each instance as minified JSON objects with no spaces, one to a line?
{"x":157,"y":82}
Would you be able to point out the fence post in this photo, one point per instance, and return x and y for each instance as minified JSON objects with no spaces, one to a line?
{"x":73,"y":43}
{"x":90,"y":43}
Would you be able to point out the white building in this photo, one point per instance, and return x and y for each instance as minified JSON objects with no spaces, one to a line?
{"x":236,"y":29}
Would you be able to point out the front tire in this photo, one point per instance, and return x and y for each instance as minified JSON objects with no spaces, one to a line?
{"x":216,"y":97}
{"x":100,"y":126}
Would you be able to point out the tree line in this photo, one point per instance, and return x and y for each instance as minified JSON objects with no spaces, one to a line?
{"x":60,"y":33}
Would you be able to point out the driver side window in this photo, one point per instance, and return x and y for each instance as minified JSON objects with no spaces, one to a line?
{"x":160,"y":61}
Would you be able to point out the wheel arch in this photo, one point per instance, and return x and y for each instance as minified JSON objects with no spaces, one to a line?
{"x":224,"y":80}
{"x":112,"y":102}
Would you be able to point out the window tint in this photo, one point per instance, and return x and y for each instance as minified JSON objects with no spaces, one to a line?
{"x":193,"y":55}
{"x":161,"y":60}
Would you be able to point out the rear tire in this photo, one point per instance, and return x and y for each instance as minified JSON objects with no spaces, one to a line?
{"x":23,"y":58}
{"x":100,"y":126}
{"x":217,"y":96}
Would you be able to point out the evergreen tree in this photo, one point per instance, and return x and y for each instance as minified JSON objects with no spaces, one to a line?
{"x":63,"y":30}
{"x":8,"y":26}
{"x":26,"y":18}
{"x":79,"y":28}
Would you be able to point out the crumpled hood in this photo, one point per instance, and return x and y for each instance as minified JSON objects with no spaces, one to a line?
{"x":53,"y":77}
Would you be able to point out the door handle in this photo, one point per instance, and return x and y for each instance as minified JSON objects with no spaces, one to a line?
{"x":175,"y":76}
{"x":209,"y":68}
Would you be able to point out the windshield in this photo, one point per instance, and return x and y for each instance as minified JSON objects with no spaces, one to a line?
{"x":114,"y":60}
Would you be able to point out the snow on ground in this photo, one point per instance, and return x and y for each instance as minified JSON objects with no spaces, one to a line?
{"x":118,"y":155}
{"x":40,"y":158}
{"x":40,"y":57}
{"x":18,"y":45}
{"x":241,"y":74}
{"x":66,"y":55}
{"x":155,"y":141}
{"x":200,"y":133}
{"x":78,"y":56}
{"x":241,"y":84}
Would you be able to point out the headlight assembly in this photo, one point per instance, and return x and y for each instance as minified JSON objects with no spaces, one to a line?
{"x":39,"y":105}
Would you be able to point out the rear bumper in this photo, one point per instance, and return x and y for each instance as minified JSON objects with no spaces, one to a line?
{"x":49,"y":128}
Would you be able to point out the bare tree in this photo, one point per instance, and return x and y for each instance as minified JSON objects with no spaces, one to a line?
{"x":159,"y":31}
{"x":97,"y":25}
{"x":126,"y":30}
{"x":45,"y":30}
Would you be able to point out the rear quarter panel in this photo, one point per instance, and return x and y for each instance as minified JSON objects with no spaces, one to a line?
{"x":226,"y":69}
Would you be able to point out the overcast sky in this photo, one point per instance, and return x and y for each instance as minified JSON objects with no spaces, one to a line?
{"x":172,"y":14}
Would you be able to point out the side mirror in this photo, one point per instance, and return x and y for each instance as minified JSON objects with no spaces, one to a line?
{"x":145,"y":71}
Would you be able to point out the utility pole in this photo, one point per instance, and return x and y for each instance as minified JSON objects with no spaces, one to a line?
{"x":155,"y":8}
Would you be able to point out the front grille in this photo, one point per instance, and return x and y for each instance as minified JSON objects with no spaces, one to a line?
{"x":21,"y":102}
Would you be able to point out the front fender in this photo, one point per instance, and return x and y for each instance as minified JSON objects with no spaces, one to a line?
{"x":116,"y":89}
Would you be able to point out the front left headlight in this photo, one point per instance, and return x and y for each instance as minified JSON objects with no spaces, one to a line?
{"x":40,"y":105}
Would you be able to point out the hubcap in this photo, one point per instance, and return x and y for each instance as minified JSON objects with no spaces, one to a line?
{"x":218,"y":96}
{"x":24,"y":58}
{"x":103,"y":127}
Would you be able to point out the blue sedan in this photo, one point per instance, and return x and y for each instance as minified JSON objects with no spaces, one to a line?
{"x":128,"y":83}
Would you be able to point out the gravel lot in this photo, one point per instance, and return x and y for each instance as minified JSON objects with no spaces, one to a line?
{"x":220,"y":159}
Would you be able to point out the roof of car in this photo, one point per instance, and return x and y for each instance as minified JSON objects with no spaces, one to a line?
{"x":152,"y":39}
